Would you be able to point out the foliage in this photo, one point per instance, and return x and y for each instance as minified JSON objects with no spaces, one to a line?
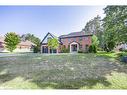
{"x":11,"y":41}
{"x":33,"y":39}
{"x":93,"y":49}
{"x":64,"y":50}
{"x":80,"y":51}
{"x":95,"y":43}
{"x":114,"y":28}
{"x":90,"y":49}
{"x":94,"y":26}
{"x":36,"y":49}
{"x":53,"y":43}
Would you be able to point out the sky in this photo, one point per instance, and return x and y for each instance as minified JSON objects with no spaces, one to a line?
{"x":39,"y":20}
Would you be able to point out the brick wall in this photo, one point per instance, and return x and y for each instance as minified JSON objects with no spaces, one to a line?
{"x":85,"y":40}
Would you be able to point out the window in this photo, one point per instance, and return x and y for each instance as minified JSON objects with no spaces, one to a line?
{"x":80,"y":39}
{"x":69,"y":40}
{"x":80,"y":47}
{"x":74,"y":39}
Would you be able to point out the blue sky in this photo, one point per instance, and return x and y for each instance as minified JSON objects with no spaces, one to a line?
{"x":39,"y":20}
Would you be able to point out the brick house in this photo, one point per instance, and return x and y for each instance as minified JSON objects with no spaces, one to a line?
{"x":74,"y":42}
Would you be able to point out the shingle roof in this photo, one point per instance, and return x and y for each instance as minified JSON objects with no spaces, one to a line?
{"x":74,"y":34}
{"x":28,"y":43}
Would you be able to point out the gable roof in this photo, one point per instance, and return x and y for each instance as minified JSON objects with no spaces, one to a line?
{"x":53,"y":36}
{"x":75,"y":34}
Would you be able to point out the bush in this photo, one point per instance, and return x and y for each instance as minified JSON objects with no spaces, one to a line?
{"x":36,"y":49}
{"x":124,"y":50}
{"x":64,"y":50}
{"x":99,"y":49}
{"x":90,"y":49}
{"x":93,"y":49}
{"x":80,"y":51}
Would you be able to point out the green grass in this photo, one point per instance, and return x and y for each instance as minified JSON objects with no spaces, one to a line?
{"x":63,"y":71}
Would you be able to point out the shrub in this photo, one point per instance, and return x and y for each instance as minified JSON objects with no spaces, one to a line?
{"x":80,"y":51}
{"x":90,"y":49}
{"x":64,"y":50}
{"x":36,"y":49}
{"x":124,"y":50}
{"x":99,"y":49}
{"x":93,"y":49}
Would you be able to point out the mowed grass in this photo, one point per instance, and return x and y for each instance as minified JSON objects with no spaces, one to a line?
{"x":63,"y":71}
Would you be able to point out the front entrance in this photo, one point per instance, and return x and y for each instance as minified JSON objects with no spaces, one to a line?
{"x":44,"y":49}
{"x":74,"y":47}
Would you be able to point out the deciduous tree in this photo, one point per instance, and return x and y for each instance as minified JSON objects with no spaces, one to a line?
{"x":11,"y":41}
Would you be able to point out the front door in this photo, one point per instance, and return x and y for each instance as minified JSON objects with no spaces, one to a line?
{"x":74,"y":47}
{"x":45,"y":49}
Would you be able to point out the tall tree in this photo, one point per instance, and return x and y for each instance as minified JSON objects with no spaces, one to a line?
{"x":94,"y":26}
{"x":33,"y":39}
{"x":11,"y":41}
{"x":53,"y":43}
{"x":115,"y":30}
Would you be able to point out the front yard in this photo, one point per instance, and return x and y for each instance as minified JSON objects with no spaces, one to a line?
{"x":62,"y":71}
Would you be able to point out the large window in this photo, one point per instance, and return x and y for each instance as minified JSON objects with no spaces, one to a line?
{"x":80,"y":46}
{"x":80,"y":38}
{"x":74,"y":39}
{"x":69,"y":40}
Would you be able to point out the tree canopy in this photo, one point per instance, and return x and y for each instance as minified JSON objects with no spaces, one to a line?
{"x":53,"y":43}
{"x":115,"y":30}
{"x":11,"y":41}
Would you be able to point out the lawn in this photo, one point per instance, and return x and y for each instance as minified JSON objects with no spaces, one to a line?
{"x":62,"y":71}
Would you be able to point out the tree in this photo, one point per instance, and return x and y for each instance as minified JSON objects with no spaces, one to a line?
{"x":95,"y":43}
{"x":33,"y":39}
{"x":94,"y":26}
{"x":11,"y":41}
{"x":115,"y":31}
{"x":53,"y":44}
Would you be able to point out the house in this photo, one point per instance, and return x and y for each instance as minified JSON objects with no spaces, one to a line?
{"x":121,"y":46}
{"x":2,"y":45}
{"x":23,"y":46}
{"x":74,"y":42}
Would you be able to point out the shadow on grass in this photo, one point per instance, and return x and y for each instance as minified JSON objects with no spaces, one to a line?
{"x":44,"y":78}
{"x":72,"y":84}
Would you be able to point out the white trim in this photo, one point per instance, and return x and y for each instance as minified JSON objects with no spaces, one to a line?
{"x":73,"y":43}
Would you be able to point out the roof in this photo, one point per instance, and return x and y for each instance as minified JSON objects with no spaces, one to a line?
{"x":26,"y":43}
{"x":53,"y":36}
{"x":75,"y":34}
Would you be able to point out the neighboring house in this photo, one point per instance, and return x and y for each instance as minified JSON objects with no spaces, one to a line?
{"x":74,"y":42}
{"x":121,"y":46}
{"x":2,"y":45}
{"x":23,"y":46}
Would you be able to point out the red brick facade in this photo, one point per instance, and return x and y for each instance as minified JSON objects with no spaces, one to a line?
{"x":74,"y":41}
{"x":83,"y":41}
